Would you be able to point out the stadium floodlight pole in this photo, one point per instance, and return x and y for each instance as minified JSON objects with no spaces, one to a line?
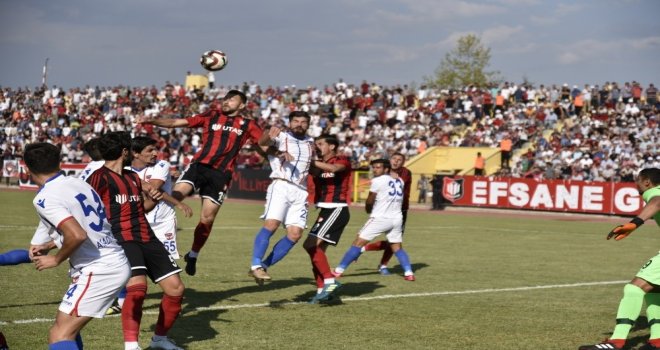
{"x":44,"y":74}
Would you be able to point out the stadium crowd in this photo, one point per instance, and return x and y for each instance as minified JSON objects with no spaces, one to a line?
{"x":594,"y":132}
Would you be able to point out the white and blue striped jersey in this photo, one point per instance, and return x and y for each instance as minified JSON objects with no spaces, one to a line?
{"x":295,"y":171}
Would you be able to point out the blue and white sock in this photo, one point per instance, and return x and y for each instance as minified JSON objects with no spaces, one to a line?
{"x":63,"y":345}
{"x":280,"y":250}
{"x":404,"y":261}
{"x":351,"y":254}
{"x":15,"y":257}
{"x":261,"y":242}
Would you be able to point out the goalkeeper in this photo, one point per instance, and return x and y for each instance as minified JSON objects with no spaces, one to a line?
{"x":645,"y":286}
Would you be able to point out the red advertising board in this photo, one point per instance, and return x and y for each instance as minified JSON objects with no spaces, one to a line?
{"x":547,"y":195}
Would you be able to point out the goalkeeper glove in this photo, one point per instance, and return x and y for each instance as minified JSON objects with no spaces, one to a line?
{"x":622,"y":231}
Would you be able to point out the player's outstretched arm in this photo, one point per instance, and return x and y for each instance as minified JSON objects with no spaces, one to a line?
{"x":622,"y":231}
{"x":163,"y":122}
{"x":74,"y":236}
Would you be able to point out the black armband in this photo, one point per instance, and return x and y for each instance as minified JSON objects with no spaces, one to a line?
{"x":637,"y":221}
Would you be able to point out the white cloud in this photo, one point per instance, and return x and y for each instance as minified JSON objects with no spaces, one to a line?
{"x":646,"y":43}
{"x":500,"y":34}
{"x":564,"y":9}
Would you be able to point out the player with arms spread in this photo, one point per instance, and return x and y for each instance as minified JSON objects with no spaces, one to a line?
{"x":77,"y":217}
{"x":645,"y":286}
{"x":225,"y":132}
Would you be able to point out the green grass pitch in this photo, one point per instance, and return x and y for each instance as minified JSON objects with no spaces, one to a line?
{"x":484,"y":281}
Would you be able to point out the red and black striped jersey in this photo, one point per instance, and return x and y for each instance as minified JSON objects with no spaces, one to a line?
{"x":333,"y":187}
{"x":406,"y":177}
{"x":122,"y":196}
{"x":223,"y":137}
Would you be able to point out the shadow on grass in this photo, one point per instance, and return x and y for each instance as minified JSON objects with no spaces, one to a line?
{"x":395,"y":270}
{"x":196,"y":328}
{"x":636,"y":341}
{"x":31,"y":304}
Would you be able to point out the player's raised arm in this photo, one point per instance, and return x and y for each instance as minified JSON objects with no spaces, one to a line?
{"x":163,"y":122}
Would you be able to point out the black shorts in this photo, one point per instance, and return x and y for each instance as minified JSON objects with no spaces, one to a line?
{"x":150,"y":259}
{"x":211,"y":183}
{"x":330,"y":224}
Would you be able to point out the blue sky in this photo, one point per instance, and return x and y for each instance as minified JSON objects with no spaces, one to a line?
{"x":284,"y":42}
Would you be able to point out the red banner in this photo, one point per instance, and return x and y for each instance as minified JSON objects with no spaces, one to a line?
{"x":548,"y":195}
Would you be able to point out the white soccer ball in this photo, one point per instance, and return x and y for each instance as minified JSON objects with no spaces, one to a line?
{"x":213,"y":60}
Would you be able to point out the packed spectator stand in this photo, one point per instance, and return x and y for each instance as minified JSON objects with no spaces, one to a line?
{"x":594,"y":132}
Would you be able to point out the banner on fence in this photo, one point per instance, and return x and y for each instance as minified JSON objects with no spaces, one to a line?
{"x":548,"y":195}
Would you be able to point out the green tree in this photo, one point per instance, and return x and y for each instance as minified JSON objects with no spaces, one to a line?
{"x":465,"y":65}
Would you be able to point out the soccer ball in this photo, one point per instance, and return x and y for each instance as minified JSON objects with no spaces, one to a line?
{"x":213,"y":60}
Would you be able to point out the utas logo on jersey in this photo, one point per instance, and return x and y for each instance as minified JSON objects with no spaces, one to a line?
{"x":123,"y":198}
{"x":327,"y":175}
{"x":217,"y":127}
{"x":452,"y":189}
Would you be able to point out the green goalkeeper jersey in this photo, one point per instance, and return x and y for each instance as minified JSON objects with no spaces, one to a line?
{"x":647,"y":195}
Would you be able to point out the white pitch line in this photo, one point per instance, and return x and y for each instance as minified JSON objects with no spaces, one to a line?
{"x":378,"y":297}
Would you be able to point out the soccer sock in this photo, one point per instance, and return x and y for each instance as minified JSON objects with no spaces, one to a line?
{"x":202,"y":233}
{"x":63,"y":345}
{"x":131,"y":313}
{"x":351,"y":254}
{"x":320,"y":260}
{"x":121,"y":297}
{"x":629,"y":309}
{"x":387,"y":255}
{"x":170,"y":307}
{"x":404,"y":261}
{"x":14,"y":257}
{"x":79,"y":341}
{"x":653,"y":315}
{"x":318,"y":276}
{"x":380,"y":245}
{"x":260,"y":246}
{"x":280,"y":250}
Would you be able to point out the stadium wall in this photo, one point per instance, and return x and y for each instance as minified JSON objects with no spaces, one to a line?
{"x":611,"y":198}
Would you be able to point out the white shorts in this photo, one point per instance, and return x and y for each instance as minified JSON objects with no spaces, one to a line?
{"x":393,"y":227}
{"x":93,"y":290}
{"x":166,"y":233}
{"x":286,"y":203}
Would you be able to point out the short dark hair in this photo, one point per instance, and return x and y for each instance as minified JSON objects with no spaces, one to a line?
{"x":385,"y":162}
{"x":651,"y":174}
{"x":297,"y":114}
{"x":330,"y":139}
{"x":92,"y":148}
{"x":398,"y":154}
{"x":139,"y":143}
{"x":42,"y":158}
{"x":113,"y":144}
{"x":232,"y":93}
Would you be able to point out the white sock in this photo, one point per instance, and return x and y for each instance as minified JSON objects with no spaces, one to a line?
{"x":120,"y":302}
{"x":130,"y":345}
{"x":193,"y":254}
{"x":319,"y":290}
{"x":328,"y":280}
{"x":158,"y":337}
{"x":408,"y":273}
{"x":339,"y":270}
